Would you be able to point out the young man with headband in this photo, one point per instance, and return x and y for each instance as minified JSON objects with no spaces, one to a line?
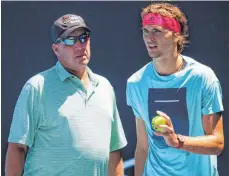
{"x":184,"y":92}
{"x":66,"y":120}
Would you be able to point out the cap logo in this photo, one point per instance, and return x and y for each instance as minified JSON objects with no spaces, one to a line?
{"x":70,"y":19}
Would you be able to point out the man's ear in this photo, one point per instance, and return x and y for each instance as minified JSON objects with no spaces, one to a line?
{"x":55,"y":49}
{"x":177,"y":38}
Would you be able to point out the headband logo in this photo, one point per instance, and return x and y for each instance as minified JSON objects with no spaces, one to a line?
{"x":152,"y":18}
{"x":167,"y":22}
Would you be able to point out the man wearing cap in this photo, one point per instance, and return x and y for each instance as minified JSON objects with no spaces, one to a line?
{"x":184,"y":92}
{"x":66,"y":120}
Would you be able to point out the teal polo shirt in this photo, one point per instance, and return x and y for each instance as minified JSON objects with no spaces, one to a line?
{"x":69,"y":130}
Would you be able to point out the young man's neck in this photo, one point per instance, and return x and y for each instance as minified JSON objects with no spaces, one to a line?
{"x":168,"y":64}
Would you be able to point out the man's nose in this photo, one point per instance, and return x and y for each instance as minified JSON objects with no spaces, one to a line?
{"x":151,"y":37}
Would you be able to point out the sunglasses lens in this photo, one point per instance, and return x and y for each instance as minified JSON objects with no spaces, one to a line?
{"x":83,"y":38}
{"x":72,"y":40}
{"x":69,"y":42}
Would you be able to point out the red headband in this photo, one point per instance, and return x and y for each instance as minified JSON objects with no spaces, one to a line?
{"x":166,"y":22}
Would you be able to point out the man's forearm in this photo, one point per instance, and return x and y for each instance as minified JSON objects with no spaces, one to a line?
{"x":119,"y":171}
{"x":15,"y":159}
{"x":115,"y":164}
{"x":206,"y":145}
{"x":140,"y":159}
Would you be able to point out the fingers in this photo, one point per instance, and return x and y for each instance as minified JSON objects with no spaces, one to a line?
{"x":168,"y":120}
{"x":163,"y":134}
{"x":165,"y":129}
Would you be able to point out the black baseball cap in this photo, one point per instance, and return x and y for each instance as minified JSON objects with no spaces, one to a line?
{"x":66,"y":24}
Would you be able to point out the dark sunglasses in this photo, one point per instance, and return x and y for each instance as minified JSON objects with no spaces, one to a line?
{"x":72,"y":39}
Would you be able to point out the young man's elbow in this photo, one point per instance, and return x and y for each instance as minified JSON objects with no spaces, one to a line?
{"x":219,"y":148}
{"x":140,"y":148}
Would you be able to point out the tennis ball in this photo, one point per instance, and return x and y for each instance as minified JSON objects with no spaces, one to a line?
{"x":158,"y":120}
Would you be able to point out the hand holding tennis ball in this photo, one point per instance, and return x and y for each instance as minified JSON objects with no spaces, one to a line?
{"x":167,"y":130}
{"x":158,"y":120}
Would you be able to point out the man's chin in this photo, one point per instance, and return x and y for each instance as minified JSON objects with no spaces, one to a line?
{"x":153,"y":55}
{"x":84,"y":62}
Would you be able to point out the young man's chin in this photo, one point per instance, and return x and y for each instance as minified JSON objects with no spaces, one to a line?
{"x":153,"y":56}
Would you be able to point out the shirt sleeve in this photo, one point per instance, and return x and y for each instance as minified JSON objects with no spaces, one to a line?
{"x":118,"y":139}
{"x":25,"y":117}
{"x":212,"y":99}
{"x":130,"y":102}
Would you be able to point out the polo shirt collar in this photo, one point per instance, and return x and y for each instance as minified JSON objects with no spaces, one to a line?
{"x":64,"y":74}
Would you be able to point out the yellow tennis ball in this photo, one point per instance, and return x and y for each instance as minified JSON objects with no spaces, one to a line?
{"x":158,"y":120}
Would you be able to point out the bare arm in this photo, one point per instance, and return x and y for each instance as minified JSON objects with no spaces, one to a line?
{"x":15,"y":159}
{"x":141,"y":148}
{"x":115,"y":164}
{"x":213,"y":141}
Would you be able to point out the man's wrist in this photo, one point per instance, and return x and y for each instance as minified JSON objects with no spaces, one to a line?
{"x":180,"y":141}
